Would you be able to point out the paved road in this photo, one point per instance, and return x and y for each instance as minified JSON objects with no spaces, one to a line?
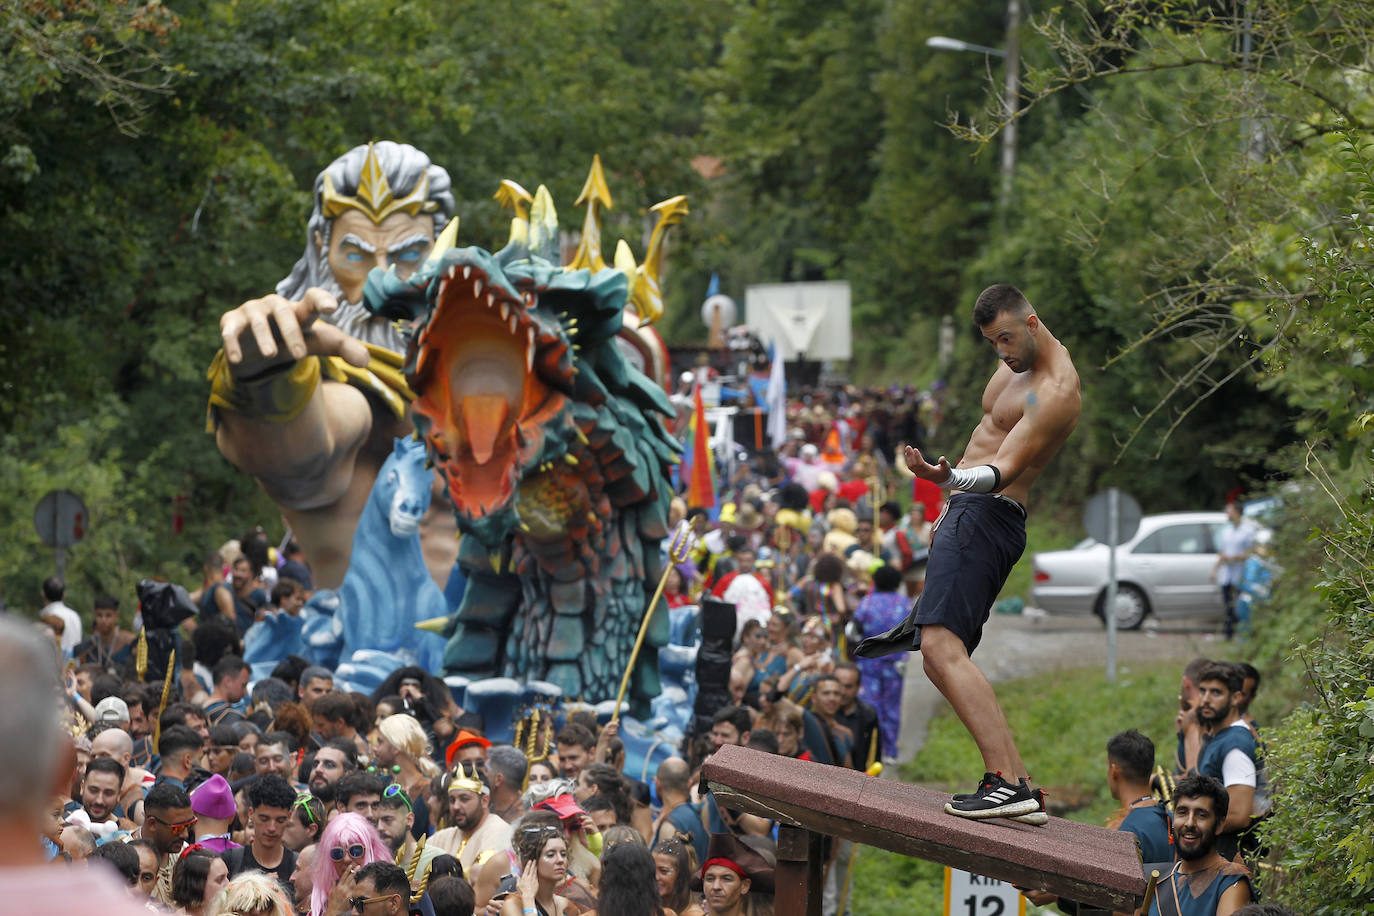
{"x":1016,"y":646}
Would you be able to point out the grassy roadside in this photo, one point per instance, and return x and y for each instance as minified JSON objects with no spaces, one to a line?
{"x":1062,"y":722}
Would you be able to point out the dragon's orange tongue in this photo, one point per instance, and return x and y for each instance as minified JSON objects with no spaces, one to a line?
{"x":483,"y":417}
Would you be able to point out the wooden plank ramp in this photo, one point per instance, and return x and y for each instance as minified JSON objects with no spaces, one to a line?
{"x":1081,"y":862}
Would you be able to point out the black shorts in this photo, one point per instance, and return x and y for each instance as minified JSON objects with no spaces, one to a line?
{"x":977,"y":541}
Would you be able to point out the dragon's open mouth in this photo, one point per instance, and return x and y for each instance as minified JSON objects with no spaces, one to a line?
{"x":482,"y":338}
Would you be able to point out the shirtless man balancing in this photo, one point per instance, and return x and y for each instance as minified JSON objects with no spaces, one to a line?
{"x":1030,"y":407}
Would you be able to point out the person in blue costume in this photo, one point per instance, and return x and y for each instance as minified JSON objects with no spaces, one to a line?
{"x":881,"y":678}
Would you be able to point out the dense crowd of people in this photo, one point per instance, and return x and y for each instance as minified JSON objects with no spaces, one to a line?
{"x":210,"y":795}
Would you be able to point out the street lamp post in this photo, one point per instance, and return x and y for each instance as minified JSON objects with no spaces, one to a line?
{"x":1011,"y":89}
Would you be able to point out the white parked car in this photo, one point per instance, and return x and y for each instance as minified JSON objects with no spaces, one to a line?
{"x":1165,"y":570}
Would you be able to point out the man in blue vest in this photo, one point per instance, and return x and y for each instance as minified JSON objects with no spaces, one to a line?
{"x":1230,"y":753}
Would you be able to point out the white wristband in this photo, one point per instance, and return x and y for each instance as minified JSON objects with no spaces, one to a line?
{"x":981,"y":479}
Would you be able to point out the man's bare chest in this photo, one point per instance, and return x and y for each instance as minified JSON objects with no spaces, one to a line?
{"x":1009,"y":404}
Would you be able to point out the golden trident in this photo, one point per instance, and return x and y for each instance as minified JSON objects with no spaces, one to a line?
{"x":679,"y":548}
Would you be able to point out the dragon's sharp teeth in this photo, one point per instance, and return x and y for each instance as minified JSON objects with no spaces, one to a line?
{"x":505,"y":311}
{"x":491,"y":300}
{"x":477,"y":289}
{"x":529,"y":355}
{"x":514,"y":322}
{"x":451,"y":272}
{"x":467,"y":273}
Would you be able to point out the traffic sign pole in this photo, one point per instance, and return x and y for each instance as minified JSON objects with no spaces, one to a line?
{"x":1114,"y":527}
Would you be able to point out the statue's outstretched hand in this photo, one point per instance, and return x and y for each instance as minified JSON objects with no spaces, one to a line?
{"x":917,"y":464}
{"x":271,"y":331}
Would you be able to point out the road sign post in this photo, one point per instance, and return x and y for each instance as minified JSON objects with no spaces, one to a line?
{"x":60,"y":519}
{"x":1112,"y":518}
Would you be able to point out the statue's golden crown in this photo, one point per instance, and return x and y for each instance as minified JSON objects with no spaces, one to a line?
{"x":375,"y":199}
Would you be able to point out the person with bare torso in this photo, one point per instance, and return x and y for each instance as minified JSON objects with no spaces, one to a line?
{"x":1030,"y":406}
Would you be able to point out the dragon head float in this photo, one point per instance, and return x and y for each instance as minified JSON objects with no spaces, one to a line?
{"x":551,"y":444}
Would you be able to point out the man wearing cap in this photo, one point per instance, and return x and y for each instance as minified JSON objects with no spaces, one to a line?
{"x":468,"y":749}
{"x":213,"y":804}
{"x":475,"y":828}
{"x":730,"y":873}
{"x":112,"y":710}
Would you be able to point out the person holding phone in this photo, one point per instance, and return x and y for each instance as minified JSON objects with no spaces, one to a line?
{"x":543,"y":853}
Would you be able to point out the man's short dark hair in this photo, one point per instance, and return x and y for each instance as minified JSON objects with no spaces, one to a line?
{"x":106,"y":765}
{"x":850,"y":666}
{"x":891,"y":508}
{"x":509,"y":761}
{"x":387,"y":879}
{"x":345,"y":747}
{"x":1134,"y":753}
{"x":105,"y":603}
{"x":1193,"y":670}
{"x":355,"y":783}
{"x":289,"y":669}
{"x":333,"y":707}
{"x":224,"y":735}
{"x":106,"y":685}
{"x":1249,"y":672}
{"x":1224,"y":672}
{"x":285,"y":588}
{"x":737,"y":716}
{"x":177,"y":740}
{"x":315,"y":673}
{"x":695,"y":511}
{"x":54,"y":588}
{"x":598,"y":803}
{"x":451,"y":896}
{"x":996,"y":300}
{"x":123,"y":857}
{"x":285,"y":739}
{"x":763,"y":739}
{"x":271,"y":790}
{"x":1199,"y":786}
{"x":580,"y":735}
{"x":176,"y":713}
{"x":227,"y":667}
{"x":165,"y":796}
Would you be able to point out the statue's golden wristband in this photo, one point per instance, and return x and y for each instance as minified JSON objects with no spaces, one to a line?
{"x":277,"y":395}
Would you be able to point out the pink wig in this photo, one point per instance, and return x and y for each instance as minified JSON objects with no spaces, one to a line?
{"x":343,"y":830}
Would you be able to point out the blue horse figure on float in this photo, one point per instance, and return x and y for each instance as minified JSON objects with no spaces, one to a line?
{"x":386,"y":591}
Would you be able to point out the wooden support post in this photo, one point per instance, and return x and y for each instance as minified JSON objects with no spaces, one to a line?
{"x":798,"y":876}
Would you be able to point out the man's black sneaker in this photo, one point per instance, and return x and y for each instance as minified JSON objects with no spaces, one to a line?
{"x":1038,"y":818}
{"x":989,"y":780}
{"x":995,"y":798}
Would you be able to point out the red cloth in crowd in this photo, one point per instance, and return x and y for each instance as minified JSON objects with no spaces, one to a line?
{"x":718,"y":590}
{"x":853,"y":490}
{"x":923,"y":491}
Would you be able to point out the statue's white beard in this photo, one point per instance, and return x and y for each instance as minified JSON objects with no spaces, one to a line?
{"x":355,"y":320}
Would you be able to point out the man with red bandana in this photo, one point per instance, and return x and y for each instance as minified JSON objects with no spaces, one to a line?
{"x":732,"y":871}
